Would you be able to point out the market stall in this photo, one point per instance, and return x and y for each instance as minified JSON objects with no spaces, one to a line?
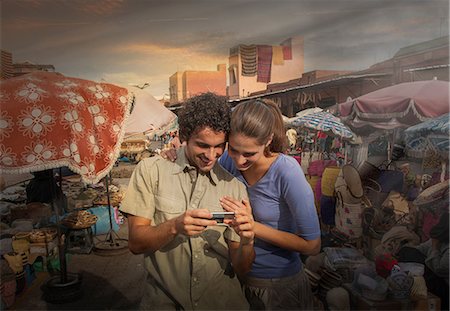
{"x":394,"y":108}
{"x":52,"y":121}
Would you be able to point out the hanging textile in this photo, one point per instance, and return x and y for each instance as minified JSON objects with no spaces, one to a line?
{"x":287,"y":49}
{"x":264,"y":63}
{"x":248,"y":59}
{"x":277,"y":57}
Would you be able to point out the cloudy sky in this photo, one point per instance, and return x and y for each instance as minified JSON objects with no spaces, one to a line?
{"x":137,"y":41}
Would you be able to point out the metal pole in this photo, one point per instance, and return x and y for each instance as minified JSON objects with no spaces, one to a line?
{"x":109,"y":203}
{"x":61,"y":238}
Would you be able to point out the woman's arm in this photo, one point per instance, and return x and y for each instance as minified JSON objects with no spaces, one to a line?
{"x":242,"y":253}
{"x":287,"y":240}
{"x":282,"y":239}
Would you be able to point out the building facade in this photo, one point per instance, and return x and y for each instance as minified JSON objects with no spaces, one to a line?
{"x":423,"y":61}
{"x":8,"y":69}
{"x":253,"y":67}
{"x":28,"y":67}
{"x":183,"y":85}
{"x":6,"y":66}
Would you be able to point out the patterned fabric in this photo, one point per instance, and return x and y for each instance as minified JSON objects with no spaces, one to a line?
{"x":348,"y":219}
{"x":287,"y":49}
{"x":49,"y":120}
{"x":264,"y":63}
{"x":325,"y":122}
{"x":431,"y":135}
{"x":248,"y":59}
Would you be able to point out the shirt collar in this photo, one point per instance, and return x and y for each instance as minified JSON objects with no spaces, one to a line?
{"x":183,"y":164}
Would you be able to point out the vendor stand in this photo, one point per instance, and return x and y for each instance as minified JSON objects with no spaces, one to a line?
{"x":51,"y":121}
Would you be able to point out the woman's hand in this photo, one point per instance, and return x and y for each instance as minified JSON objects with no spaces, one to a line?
{"x":243,"y":222}
{"x":231,"y":205}
{"x":169,"y":154}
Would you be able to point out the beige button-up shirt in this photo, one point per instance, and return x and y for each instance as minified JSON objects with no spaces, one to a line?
{"x":195,"y":272}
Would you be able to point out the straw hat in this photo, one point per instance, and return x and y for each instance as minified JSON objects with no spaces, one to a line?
{"x":353,"y":180}
{"x":437,"y":193}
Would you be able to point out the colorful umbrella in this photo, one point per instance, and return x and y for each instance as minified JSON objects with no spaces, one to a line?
{"x":325,"y":122}
{"x":429,"y":136}
{"x":49,"y":120}
{"x":305,"y":112}
{"x":398,"y":106}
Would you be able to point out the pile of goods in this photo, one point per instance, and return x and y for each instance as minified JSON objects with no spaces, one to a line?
{"x":79,"y":220}
{"x":42,"y":235}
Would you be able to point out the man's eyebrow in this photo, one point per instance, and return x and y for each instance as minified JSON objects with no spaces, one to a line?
{"x":208,"y":145}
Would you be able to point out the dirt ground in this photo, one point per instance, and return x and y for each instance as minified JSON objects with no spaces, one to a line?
{"x":108,"y":282}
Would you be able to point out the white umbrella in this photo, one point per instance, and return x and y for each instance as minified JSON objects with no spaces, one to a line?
{"x":148,"y":115}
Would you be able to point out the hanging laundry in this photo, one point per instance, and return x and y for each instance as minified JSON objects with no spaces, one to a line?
{"x":264,"y":63}
{"x":248,"y":59}
{"x":277,"y":57}
{"x":287,"y":49}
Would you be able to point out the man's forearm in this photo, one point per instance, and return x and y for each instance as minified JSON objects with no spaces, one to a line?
{"x":148,"y":238}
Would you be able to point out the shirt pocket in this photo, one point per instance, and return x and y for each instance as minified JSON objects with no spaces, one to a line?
{"x":167,"y":207}
{"x":211,"y":205}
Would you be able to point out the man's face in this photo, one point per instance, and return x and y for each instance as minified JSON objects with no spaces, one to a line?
{"x":204,"y":148}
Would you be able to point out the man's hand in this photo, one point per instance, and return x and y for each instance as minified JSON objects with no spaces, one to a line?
{"x":243,"y":222}
{"x":194,"y":222}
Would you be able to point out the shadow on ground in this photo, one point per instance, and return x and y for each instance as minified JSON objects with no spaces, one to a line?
{"x":97,"y":294}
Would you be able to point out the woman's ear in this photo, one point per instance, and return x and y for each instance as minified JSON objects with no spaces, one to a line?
{"x":270,"y":140}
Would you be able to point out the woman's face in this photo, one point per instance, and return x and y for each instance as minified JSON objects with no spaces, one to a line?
{"x":244,"y":151}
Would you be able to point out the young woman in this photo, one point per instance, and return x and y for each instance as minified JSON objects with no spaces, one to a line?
{"x":286,"y":221}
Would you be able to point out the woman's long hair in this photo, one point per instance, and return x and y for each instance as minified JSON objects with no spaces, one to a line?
{"x":259,"y":119}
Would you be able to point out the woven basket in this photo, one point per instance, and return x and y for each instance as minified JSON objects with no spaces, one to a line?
{"x":329,"y":177}
{"x":80,"y":220}
{"x":372,"y":191}
{"x":21,"y":246}
{"x":22,"y":236}
{"x":43,"y":235}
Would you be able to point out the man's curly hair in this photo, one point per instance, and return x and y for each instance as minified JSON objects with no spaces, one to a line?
{"x":204,"y":110}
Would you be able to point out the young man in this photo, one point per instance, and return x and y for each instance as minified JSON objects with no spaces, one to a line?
{"x":191,"y":259}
